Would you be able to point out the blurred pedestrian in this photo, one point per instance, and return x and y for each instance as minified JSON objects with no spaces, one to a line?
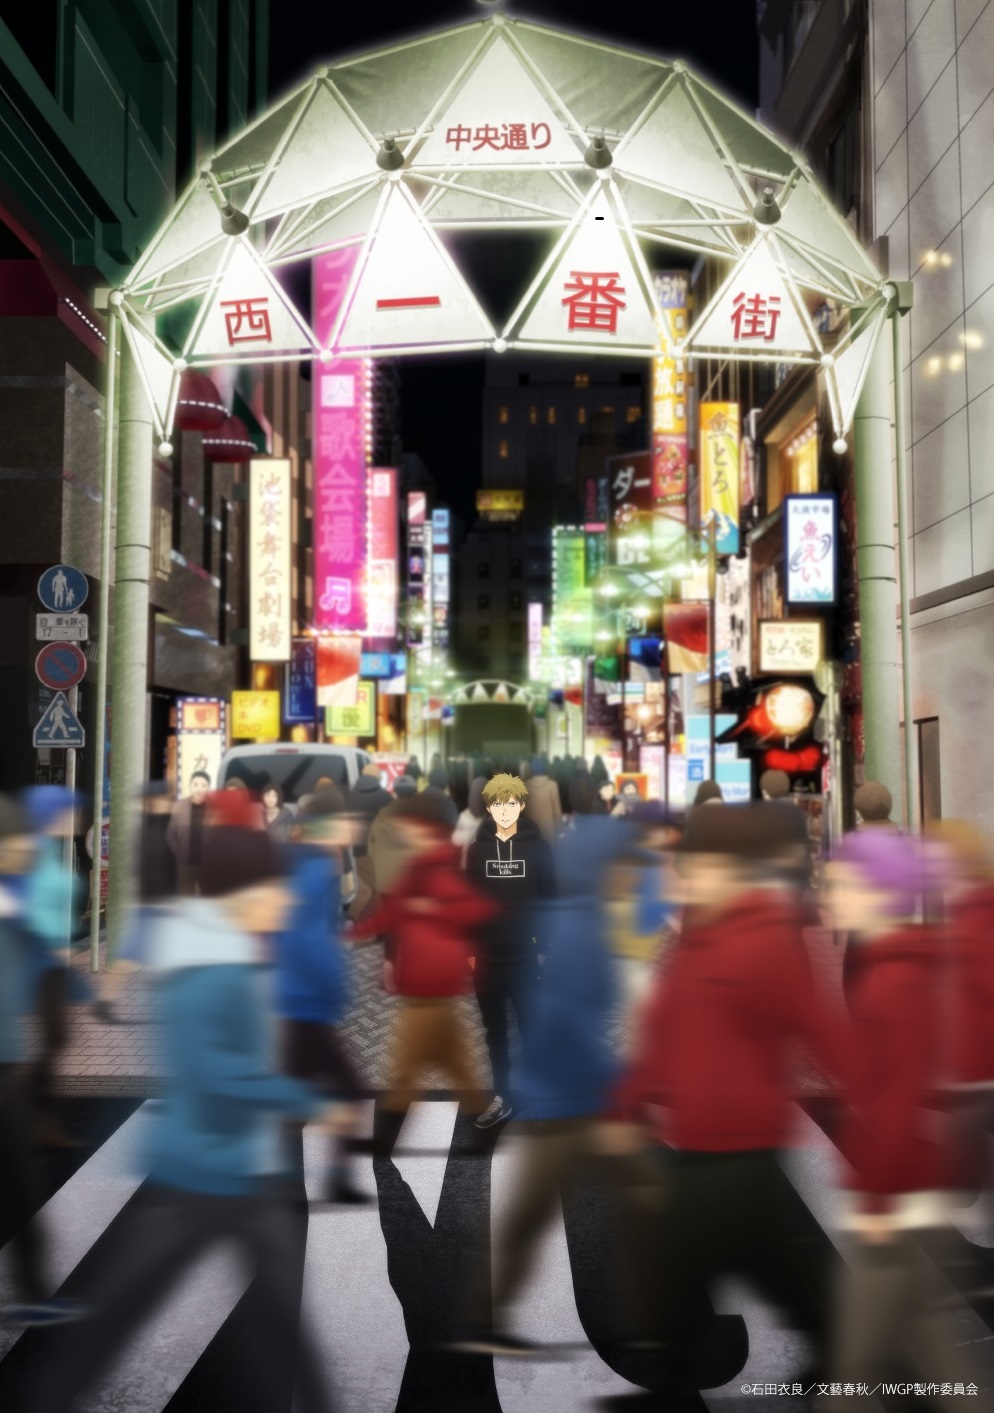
{"x":567,"y":1073}
{"x":430,"y":918}
{"x":366,"y":798}
{"x":185,"y":834}
{"x":543,"y":801}
{"x":512,"y":864}
{"x":312,"y":980}
{"x":438,"y":788}
{"x":873,"y":804}
{"x":18,"y":1192}
{"x":469,"y":821}
{"x":278,"y":815}
{"x":900,"y":1170}
{"x":51,"y":903}
{"x":708,"y":792}
{"x":717,"y":1038}
{"x":221,"y":1172}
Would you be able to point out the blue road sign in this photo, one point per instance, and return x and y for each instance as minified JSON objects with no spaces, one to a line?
{"x":59,"y":726}
{"x":60,"y":666}
{"x":63,"y":589}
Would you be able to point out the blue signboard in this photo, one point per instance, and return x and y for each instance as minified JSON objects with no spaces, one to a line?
{"x":380,"y":666}
{"x":63,"y":589}
{"x":301,"y":682}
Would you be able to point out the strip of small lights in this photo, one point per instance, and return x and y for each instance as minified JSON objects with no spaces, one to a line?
{"x":80,"y":315}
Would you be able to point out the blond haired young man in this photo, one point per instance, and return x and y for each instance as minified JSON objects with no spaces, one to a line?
{"x":511,"y":863}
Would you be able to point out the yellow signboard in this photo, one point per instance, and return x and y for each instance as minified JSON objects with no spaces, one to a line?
{"x":255,"y":716}
{"x":358,"y":720}
{"x":719,"y":454}
{"x":503,"y":503}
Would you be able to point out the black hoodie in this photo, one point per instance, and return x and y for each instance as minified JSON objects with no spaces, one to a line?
{"x":516,"y":873}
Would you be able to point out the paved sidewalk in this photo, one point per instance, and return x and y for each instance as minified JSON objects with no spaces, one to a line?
{"x":122,"y":1059}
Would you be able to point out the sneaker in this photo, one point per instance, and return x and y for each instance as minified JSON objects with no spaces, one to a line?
{"x":495,"y":1343}
{"x":496,"y":1114}
{"x":57,"y":1311}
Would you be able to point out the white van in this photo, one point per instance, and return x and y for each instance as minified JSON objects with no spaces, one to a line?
{"x":295,"y":768}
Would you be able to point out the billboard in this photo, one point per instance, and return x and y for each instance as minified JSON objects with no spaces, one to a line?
{"x":500,"y":505}
{"x":270,"y":534}
{"x":383,"y":553}
{"x":200,"y":740}
{"x":669,"y":397}
{"x":340,"y":400}
{"x":791,"y":645}
{"x":718,"y":444}
{"x":572,"y":601}
{"x":811,"y":548}
{"x":255,"y":716}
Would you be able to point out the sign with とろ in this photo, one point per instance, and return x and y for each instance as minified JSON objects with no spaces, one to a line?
{"x":59,"y":726}
{"x":62,"y":627}
{"x":255,"y":716}
{"x":63,"y":588}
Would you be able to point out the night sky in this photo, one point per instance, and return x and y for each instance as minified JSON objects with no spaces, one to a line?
{"x":440,"y":408}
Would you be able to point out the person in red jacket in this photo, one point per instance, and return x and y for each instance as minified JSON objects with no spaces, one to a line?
{"x":713,"y":1068}
{"x":902,"y":1162}
{"x":428,"y":920}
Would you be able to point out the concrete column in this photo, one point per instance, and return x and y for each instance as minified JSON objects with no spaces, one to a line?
{"x":129,"y":652}
{"x":872,"y":431}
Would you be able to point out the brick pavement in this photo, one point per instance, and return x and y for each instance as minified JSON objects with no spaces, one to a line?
{"x":122,"y":1059}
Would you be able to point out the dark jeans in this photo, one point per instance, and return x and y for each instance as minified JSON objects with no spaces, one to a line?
{"x":17,"y":1185}
{"x":497,"y":985}
{"x":736,"y":1213}
{"x":171,"y":1230}
{"x":53,"y":1013}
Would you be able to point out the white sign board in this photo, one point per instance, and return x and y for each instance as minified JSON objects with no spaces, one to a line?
{"x":810,"y":551}
{"x":62,"y":627}
{"x":269,"y":561}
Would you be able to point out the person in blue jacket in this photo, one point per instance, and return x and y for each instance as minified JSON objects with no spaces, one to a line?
{"x":216,"y":1139}
{"x":312,"y":972}
{"x":568,"y":1070}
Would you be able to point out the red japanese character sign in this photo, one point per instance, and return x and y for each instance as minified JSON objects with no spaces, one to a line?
{"x":594,"y":298}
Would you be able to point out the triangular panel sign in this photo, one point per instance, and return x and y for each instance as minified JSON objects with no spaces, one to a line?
{"x":850,"y":368}
{"x":406,"y":292}
{"x":325,"y":152}
{"x":592,"y":292}
{"x":671,"y":147}
{"x":194,"y":225}
{"x":59,"y":726}
{"x":757,"y":313}
{"x":157,"y":372}
{"x":501,"y":693}
{"x":812,"y":221}
{"x":499,"y":118}
{"x":247,"y":315}
{"x":479,"y":693}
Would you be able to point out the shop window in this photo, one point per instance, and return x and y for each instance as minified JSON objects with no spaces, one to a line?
{"x":502,"y":416}
{"x":550,"y":416}
{"x":581,"y":380}
{"x":632,"y":414}
{"x":581,"y":416}
{"x":792,"y":464}
{"x":502,"y":449}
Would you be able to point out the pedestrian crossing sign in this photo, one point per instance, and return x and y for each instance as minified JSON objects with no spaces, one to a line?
{"x":59,"y":726}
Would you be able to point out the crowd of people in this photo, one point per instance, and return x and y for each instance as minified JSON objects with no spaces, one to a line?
{"x":656,"y":997}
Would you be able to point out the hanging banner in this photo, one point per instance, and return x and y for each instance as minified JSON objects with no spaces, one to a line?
{"x":338,"y":670}
{"x":383,"y":549}
{"x":572,"y":600}
{"x":810,"y":552}
{"x":356,"y":720}
{"x":719,"y":457}
{"x":301,"y":697}
{"x":269,"y":561}
{"x":685,"y":630}
{"x":669,"y":397}
{"x":341,"y":398}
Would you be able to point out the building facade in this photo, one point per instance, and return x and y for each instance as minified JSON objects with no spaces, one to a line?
{"x":110,"y":109}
